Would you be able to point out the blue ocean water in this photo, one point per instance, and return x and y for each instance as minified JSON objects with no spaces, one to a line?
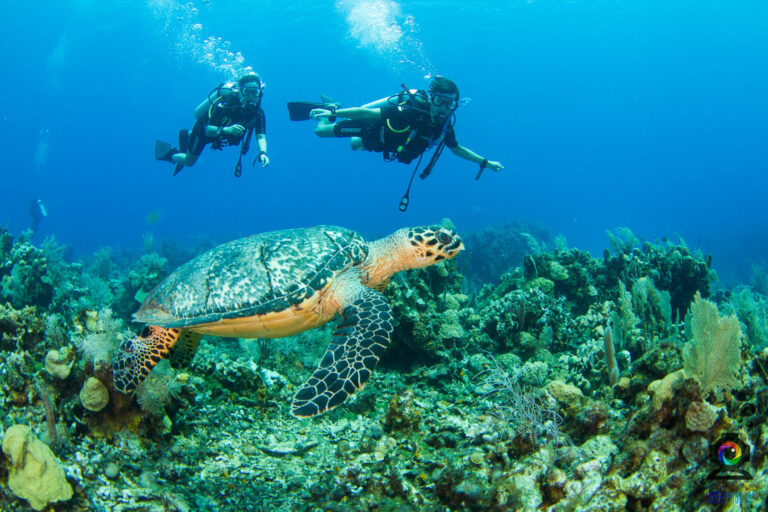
{"x":647,"y":114}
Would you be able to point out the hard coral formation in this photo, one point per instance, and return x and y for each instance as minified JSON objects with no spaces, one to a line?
{"x":402,"y":413}
{"x":24,"y":277}
{"x":147,"y":273}
{"x":429,"y":318}
{"x":495,"y":250}
{"x":20,"y":328}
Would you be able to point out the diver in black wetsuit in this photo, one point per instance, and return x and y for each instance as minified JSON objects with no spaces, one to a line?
{"x":37,"y":212}
{"x":402,"y":126}
{"x":230,"y":115}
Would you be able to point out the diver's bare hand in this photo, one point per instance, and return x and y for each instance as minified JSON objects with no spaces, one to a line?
{"x":236,"y":130}
{"x":320,"y":113}
{"x":494,"y":165}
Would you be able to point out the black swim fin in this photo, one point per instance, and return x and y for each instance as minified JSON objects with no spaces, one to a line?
{"x":164,"y":151}
{"x":329,"y":102}
{"x":299,"y":110}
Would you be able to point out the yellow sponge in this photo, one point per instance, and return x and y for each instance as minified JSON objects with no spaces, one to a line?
{"x":36,"y":474}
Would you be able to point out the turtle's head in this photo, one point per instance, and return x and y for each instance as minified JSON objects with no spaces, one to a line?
{"x":428,"y":245}
{"x":408,"y":248}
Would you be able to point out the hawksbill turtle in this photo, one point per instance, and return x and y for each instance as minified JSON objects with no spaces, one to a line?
{"x":279,"y":284}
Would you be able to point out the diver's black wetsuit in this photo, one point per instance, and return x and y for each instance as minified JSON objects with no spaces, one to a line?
{"x":402,"y":133}
{"x":227,"y":112}
{"x":37,"y":213}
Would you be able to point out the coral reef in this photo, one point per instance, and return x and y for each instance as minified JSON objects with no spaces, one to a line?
{"x":496,"y":250}
{"x":499,"y":396}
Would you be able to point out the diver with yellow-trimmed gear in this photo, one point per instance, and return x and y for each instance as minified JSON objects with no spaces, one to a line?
{"x":401,"y":127}
{"x":229,"y":116}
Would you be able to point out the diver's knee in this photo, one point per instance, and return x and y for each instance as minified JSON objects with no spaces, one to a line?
{"x":324,"y":130}
{"x":356,"y":143}
{"x":186,"y":159}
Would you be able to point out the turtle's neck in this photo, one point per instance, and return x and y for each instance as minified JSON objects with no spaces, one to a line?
{"x":386,"y":257}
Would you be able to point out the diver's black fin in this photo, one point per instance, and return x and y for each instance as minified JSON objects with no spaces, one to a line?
{"x":164,"y":151}
{"x":329,"y":101}
{"x":178,"y":169}
{"x":299,"y":110}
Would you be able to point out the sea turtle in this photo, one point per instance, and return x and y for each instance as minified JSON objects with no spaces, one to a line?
{"x":278,"y":284}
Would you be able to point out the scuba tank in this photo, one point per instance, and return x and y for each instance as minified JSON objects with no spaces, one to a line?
{"x":221,"y":91}
{"x":388,"y":99}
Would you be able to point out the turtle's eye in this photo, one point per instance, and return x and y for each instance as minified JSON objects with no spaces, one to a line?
{"x":444,"y":238}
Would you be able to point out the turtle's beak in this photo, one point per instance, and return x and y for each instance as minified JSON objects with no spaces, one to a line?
{"x":454,"y":247}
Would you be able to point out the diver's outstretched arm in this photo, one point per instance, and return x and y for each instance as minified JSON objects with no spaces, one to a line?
{"x":468,"y":154}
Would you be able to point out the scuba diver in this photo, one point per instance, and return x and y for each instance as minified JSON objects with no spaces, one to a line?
{"x":401,"y":127}
{"x":37,"y":212}
{"x":230,"y":115}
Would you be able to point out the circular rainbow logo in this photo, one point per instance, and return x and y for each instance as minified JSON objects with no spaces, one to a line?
{"x":729,"y":453}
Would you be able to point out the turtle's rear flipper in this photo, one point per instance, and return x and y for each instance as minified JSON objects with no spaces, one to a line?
{"x":184,"y":350}
{"x":358,"y":341}
{"x":136,"y":357}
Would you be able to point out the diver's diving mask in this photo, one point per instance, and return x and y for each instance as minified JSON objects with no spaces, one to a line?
{"x":252,"y":90}
{"x":443,"y":100}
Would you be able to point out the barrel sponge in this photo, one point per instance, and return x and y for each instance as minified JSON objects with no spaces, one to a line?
{"x":36,"y":474}
{"x":94,"y":395}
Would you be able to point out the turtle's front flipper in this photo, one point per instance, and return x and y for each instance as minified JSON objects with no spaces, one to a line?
{"x":358,"y":341}
{"x":136,"y":357}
